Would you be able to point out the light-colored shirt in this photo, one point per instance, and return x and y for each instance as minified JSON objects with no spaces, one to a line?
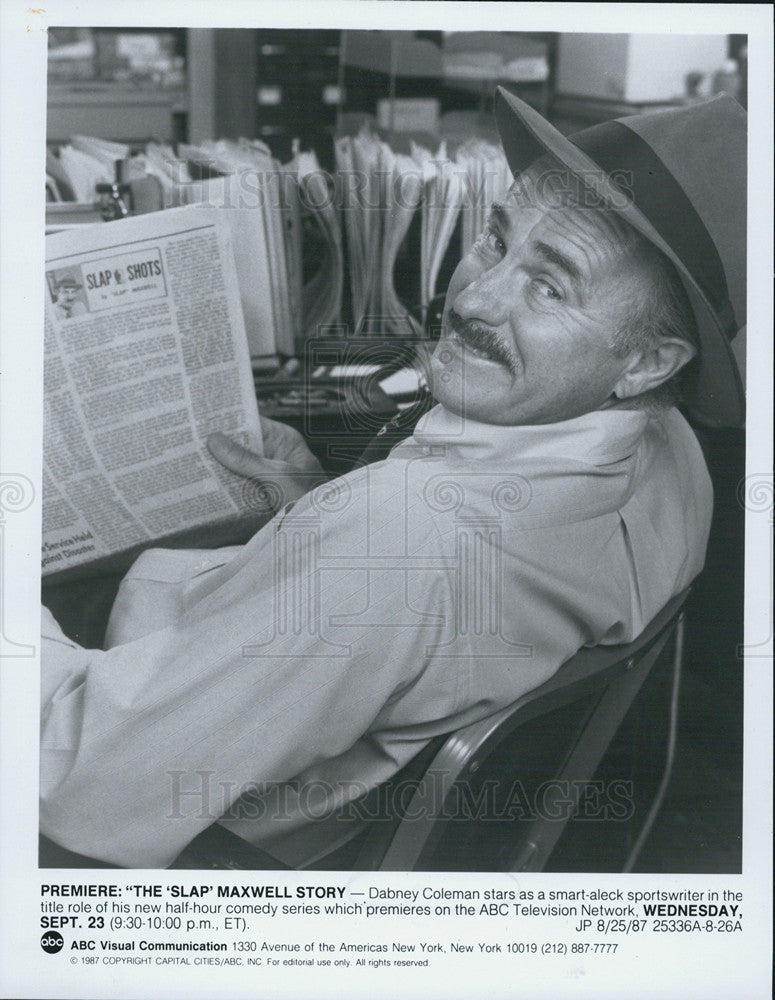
{"x":280,"y":681}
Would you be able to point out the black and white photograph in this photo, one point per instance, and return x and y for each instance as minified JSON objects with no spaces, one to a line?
{"x":403,"y":499}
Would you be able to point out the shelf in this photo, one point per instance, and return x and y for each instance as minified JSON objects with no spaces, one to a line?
{"x":90,"y":94}
{"x":115,"y":111}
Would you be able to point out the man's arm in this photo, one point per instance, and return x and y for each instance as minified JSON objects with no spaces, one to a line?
{"x":254,"y":682}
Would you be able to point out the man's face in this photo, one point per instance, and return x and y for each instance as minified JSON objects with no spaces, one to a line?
{"x":532,"y":309}
{"x":66,"y":296}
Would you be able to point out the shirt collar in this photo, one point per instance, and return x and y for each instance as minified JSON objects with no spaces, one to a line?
{"x":597,"y":438}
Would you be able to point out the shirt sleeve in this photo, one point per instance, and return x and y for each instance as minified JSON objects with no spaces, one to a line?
{"x":284,"y":659}
{"x":152,"y":593}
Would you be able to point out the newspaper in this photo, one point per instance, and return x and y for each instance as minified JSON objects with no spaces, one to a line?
{"x":145,"y":355}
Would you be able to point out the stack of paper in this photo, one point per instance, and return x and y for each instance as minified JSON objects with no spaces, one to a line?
{"x":403,"y":191}
{"x":381,"y":192}
{"x":322,"y":293}
{"x":357,"y":161}
{"x":87,"y":161}
{"x":159,"y":160}
{"x":442,"y":198}
{"x":225,"y":156}
{"x":104,"y":150}
{"x":242,"y":179}
{"x":487,"y":179}
{"x":84,"y":172}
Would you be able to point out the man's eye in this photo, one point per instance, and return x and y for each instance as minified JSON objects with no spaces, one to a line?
{"x":489,"y":240}
{"x":546,"y":289}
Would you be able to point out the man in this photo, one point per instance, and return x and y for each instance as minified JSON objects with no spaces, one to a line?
{"x":553,"y":498}
{"x":67,"y":303}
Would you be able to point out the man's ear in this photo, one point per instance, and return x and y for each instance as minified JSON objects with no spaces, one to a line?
{"x":647,"y":369}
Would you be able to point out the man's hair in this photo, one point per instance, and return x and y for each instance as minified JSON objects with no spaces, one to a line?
{"x":663,"y":311}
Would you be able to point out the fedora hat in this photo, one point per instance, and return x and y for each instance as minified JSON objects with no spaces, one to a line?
{"x":678,"y":177}
{"x":68,"y":282}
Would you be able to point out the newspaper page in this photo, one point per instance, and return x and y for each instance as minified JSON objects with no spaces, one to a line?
{"x":647,"y":873}
{"x":145,"y":355}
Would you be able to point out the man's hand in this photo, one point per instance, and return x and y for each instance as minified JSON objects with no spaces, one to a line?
{"x":286,"y":471}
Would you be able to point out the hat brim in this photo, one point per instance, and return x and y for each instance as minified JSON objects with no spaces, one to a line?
{"x":714,"y":394}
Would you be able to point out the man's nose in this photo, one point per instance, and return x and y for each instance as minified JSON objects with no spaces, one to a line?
{"x":489,"y":297}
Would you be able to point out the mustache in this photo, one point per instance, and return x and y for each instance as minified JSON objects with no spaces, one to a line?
{"x":482,"y":339}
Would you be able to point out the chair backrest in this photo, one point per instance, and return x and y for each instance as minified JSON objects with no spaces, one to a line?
{"x":598,"y":684}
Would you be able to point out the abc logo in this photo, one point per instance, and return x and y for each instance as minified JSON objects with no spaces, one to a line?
{"x":52,"y":942}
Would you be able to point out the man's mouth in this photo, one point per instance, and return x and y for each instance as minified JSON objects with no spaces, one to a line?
{"x":480,"y":342}
{"x":477,"y":351}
